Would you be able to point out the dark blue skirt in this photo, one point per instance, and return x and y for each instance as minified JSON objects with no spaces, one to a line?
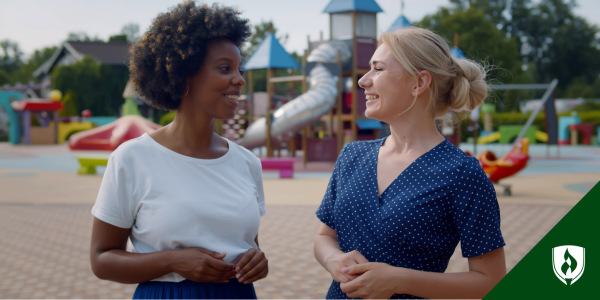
{"x":194,"y":290}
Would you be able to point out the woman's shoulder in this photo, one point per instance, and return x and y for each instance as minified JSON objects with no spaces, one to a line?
{"x":128,"y":150}
{"x":245,"y":154}
{"x":361,"y":148}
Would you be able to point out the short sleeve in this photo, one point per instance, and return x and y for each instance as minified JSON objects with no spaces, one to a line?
{"x":257,"y":175}
{"x":115,"y":203}
{"x":475,"y":211}
{"x":325,"y":213}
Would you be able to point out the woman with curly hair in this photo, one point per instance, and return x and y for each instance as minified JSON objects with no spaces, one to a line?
{"x":190,"y":200}
{"x":396,"y":208}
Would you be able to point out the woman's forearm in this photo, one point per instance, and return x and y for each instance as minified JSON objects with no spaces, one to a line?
{"x":125,"y":267}
{"x":325,"y":247}
{"x":467,"y":285}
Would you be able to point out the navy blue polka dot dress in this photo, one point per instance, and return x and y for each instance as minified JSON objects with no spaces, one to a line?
{"x":442,"y":198}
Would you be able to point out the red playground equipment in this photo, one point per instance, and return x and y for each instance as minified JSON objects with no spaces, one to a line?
{"x":586,"y":130}
{"x":110,"y":136}
{"x":513,"y":162}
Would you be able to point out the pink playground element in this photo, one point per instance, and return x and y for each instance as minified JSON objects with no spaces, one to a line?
{"x":284,"y":165}
{"x":586,"y":130}
{"x":86,"y":113}
{"x":110,"y":136}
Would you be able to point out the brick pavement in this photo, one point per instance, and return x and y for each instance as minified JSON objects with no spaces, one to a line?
{"x":44,"y":250}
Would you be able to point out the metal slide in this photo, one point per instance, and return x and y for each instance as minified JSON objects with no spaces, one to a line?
{"x":306,"y":108}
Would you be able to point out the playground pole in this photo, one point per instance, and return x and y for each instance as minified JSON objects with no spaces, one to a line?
{"x":545,"y":98}
{"x":270,"y":92}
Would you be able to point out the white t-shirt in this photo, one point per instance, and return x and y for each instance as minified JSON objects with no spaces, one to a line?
{"x":173,"y":201}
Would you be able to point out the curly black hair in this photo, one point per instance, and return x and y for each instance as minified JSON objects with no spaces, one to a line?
{"x":175,"y":46}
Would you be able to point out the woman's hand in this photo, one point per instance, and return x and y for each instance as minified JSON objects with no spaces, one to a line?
{"x":252,"y":267}
{"x":201,"y":265}
{"x":378,"y":281}
{"x":337,"y":262}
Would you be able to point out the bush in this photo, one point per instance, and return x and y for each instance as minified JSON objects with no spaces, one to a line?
{"x":167,"y":118}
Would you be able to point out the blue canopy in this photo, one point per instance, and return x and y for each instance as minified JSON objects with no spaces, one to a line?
{"x":401,"y":22}
{"x":270,"y":54}
{"x":337,"y":6}
{"x":456,"y":53}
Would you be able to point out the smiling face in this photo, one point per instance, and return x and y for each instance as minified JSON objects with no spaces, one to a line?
{"x":215,"y":88}
{"x":389,"y":88}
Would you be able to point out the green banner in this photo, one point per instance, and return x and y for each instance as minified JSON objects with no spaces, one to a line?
{"x":565,"y":264}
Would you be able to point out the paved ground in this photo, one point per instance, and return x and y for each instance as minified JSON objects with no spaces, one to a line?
{"x":44,"y":250}
{"x":45,"y":224}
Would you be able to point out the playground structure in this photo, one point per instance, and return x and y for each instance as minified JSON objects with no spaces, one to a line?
{"x":331,"y":96}
{"x":516,"y":160}
{"x":43,"y":110}
{"x":110,"y":136}
{"x":569,"y":129}
{"x":510,"y":164}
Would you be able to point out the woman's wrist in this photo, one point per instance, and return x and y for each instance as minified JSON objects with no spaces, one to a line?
{"x":170,"y":260}
{"x":403,"y":280}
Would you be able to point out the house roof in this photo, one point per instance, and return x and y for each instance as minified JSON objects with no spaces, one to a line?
{"x":270,"y":54}
{"x":401,"y":22}
{"x":113,"y":53}
{"x":457,"y":53}
{"x":336,"y":6}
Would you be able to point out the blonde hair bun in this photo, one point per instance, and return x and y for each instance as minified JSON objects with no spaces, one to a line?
{"x":469,"y":88}
{"x":456,"y":85}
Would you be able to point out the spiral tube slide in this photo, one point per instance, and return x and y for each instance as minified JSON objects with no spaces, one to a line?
{"x":306,"y":108}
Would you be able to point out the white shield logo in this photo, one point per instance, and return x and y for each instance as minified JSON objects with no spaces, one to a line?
{"x":568,"y":263}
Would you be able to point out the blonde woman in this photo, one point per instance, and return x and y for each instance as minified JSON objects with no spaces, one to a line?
{"x":396,"y":208}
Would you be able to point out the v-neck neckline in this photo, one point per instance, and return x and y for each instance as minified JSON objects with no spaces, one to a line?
{"x":379,"y":196}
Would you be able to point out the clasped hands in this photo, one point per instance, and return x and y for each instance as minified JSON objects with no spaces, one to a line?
{"x":360,"y":278}
{"x":202,"y":265}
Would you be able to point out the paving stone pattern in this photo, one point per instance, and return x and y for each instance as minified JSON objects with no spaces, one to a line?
{"x":44,"y":250}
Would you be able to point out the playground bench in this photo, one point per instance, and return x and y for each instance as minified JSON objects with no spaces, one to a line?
{"x":284,"y":165}
{"x":88,"y":165}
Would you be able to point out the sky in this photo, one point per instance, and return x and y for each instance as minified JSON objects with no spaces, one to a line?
{"x":35,"y":24}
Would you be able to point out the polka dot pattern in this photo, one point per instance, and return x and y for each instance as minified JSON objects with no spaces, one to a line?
{"x":442,"y":198}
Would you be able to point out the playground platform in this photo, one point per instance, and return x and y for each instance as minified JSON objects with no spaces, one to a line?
{"x":45,"y":215}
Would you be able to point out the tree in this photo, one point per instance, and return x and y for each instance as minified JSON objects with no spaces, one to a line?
{"x":117,"y":38}
{"x":131,"y":31}
{"x":479,"y":39}
{"x":97,"y":87}
{"x":549,"y":35}
{"x":12,"y":56}
{"x":82,"y":37}
{"x":14,"y":69}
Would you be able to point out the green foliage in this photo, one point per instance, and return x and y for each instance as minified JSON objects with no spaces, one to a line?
{"x":69,"y":101}
{"x":117,"y":38}
{"x":12,"y":67}
{"x":12,"y":56}
{"x":478,"y":38}
{"x":167,"y":118}
{"x":592,"y":117}
{"x":131,"y":32}
{"x":82,"y":37}
{"x":99,"y":88}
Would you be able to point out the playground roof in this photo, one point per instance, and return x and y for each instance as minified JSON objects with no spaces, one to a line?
{"x":270,"y":54}
{"x":456,"y":53}
{"x":336,"y":6}
{"x":36,"y":105}
{"x":401,"y":22}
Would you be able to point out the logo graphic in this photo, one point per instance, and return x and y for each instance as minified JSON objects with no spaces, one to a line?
{"x":568,"y":263}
